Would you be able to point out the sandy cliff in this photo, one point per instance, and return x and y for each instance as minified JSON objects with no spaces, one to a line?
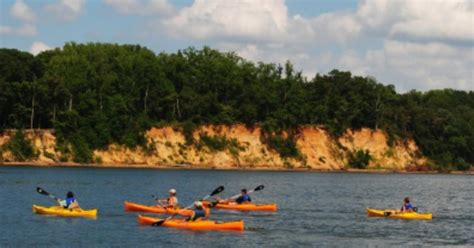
{"x":167,"y":147}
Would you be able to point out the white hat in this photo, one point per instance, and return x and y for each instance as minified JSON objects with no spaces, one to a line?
{"x":198,"y":204}
{"x":172,"y":191}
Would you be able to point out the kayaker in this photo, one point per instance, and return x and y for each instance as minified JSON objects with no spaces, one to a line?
{"x":70,"y":202}
{"x":199,"y":212}
{"x":171,"y":201}
{"x":244,"y":197}
{"x":407,"y":207}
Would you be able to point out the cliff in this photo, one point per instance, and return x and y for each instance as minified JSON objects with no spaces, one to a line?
{"x":167,"y":147}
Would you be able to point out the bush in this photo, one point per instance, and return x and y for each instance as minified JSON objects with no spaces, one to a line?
{"x":286,"y":147}
{"x":81,"y":151}
{"x":220,"y":143}
{"x":462,"y":165}
{"x":188,"y":129}
{"x":359,"y":159}
{"x":21,"y":148}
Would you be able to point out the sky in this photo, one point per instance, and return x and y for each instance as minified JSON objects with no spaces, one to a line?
{"x":412,"y":44}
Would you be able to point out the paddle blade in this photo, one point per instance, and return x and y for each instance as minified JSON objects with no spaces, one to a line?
{"x":217,"y":191}
{"x":41,"y":191}
{"x":159,"y":223}
{"x":260,"y":187}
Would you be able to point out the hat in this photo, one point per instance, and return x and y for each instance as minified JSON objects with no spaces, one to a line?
{"x":173,"y":191}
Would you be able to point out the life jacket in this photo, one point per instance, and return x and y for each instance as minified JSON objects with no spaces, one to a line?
{"x":407,"y":206}
{"x":243,"y":198}
{"x":198,"y":213}
{"x":69,"y":201}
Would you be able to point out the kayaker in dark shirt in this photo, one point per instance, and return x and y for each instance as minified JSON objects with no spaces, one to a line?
{"x":70,"y":202}
{"x":199,"y":212}
{"x":407,"y":207}
{"x":244,"y":197}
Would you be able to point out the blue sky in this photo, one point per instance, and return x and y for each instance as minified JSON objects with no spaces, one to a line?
{"x":413,"y":44}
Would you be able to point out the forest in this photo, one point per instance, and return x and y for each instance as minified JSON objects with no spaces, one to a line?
{"x":97,"y":94}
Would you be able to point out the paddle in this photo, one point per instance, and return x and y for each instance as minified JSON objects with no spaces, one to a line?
{"x":258,"y":188}
{"x":44,"y":192}
{"x":158,"y":201}
{"x":215,"y":192}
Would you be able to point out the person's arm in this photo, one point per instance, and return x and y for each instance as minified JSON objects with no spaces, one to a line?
{"x":207,"y":213}
{"x":239,"y":199}
{"x":162,"y":202}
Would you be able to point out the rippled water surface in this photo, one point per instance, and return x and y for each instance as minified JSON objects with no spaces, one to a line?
{"x":315,"y":209}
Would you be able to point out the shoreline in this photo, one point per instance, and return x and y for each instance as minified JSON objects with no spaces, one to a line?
{"x":194,"y":167}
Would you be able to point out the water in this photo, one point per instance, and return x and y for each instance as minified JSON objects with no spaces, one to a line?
{"x":315,"y":209}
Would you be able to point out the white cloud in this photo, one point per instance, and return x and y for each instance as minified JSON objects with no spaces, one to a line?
{"x":22,"y":11}
{"x":142,"y":7}
{"x":445,"y":21}
{"x":66,"y":9}
{"x":25,"y":30}
{"x":413,"y":44}
{"x":207,"y":19}
{"x":38,"y":47}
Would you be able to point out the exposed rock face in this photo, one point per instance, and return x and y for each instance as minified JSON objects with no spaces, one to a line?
{"x":167,"y":147}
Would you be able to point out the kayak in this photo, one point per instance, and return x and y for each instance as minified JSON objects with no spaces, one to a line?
{"x":60,"y":211}
{"x":135,"y":207}
{"x":195,"y":225}
{"x":391,"y":213}
{"x":245,"y":206}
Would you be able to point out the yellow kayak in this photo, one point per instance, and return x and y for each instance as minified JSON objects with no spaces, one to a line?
{"x":60,"y":211}
{"x":391,"y":213}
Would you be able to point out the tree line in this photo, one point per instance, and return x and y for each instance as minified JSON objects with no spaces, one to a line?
{"x":96,"y":94}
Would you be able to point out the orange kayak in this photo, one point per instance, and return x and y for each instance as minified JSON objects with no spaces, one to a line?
{"x":135,"y":207}
{"x":245,"y":206}
{"x":195,"y":225}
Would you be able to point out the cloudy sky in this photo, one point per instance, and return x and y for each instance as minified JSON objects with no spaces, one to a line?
{"x":413,"y":44}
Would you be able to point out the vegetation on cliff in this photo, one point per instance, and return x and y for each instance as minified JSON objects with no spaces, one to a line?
{"x":20,"y":147}
{"x":97,"y":94}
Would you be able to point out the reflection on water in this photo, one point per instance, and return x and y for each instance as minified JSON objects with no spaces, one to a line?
{"x":315,"y":209}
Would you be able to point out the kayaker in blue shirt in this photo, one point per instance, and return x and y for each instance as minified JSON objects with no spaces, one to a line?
{"x":244,"y":197}
{"x":70,"y":202}
{"x":199,"y":212}
{"x":407,"y":207}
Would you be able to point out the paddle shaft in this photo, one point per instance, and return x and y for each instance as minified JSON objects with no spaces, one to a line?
{"x":258,"y":188}
{"x":44,"y":192}
{"x":158,"y":201}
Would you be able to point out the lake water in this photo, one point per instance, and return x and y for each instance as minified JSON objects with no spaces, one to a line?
{"x":315,"y":209}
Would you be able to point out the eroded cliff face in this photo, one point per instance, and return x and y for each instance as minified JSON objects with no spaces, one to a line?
{"x":167,"y":146}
